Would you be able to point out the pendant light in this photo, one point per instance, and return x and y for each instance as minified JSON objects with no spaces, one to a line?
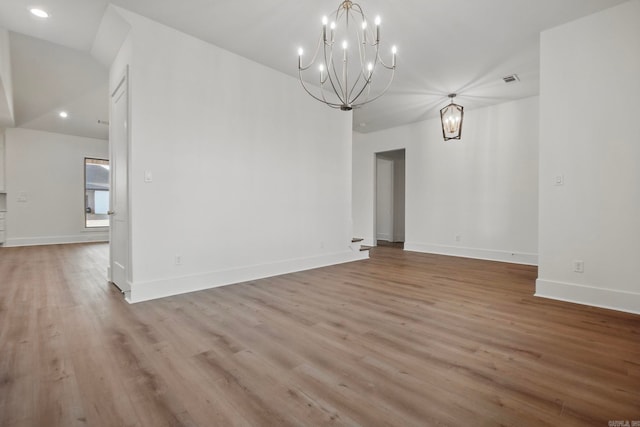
{"x":451,"y":117}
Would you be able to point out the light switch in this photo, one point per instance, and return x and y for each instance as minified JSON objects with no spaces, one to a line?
{"x":559,"y":180}
{"x":22,"y":197}
{"x":148,"y":176}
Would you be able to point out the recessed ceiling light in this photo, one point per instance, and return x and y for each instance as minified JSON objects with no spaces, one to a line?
{"x":38,"y":12}
{"x":63,"y":114}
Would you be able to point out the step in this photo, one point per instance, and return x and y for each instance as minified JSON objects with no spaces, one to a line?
{"x":365,"y":248}
{"x":356,"y":240}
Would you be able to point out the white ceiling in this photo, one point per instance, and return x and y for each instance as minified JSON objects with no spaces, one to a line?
{"x":463,"y":46}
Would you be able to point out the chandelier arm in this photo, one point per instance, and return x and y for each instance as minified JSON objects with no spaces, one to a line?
{"x":331,"y":104}
{"x":331,"y":66}
{"x":369,"y":31}
{"x":362,"y":56}
{"x":315,"y":56}
{"x":368,"y":92}
{"x":345,"y":74}
{"x":378,"y":95}
{"x":339,"y":13}
{"x":362,"y":52}
{"x":355,"y":84}
{"x":379,"y":58}
{"x":324,"y":99}
{"x":367,"y":85}
{"x":373,"y":64}
{"x":357,"y":9}
{"x":388,"y":67}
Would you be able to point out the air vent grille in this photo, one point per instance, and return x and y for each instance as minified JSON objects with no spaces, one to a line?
{"x":513,"y":78}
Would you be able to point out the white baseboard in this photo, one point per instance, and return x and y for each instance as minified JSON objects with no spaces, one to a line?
{"x":589,"y":295}
{"x":144,"y":291}
{"x":101,"y":236}
{"x":486,"y":254}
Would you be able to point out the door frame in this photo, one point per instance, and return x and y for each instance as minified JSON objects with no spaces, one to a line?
{"x":378,"y":156}
{"x":374,"y":183}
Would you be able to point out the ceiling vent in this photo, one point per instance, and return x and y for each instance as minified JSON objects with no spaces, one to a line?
{"x":513,"y":78}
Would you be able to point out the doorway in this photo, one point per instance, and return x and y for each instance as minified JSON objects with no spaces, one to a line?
{"x":389,"y":206}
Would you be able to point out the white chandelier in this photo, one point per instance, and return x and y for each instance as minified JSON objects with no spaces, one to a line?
{"x":346,"y":82}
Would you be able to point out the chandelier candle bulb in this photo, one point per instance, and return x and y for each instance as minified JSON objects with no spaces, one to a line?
{"x":344,"y":48}
{"x":333,"y":29}
{"x":324,"y":28}
{"x":300,"y":52}
{"x":364,"y":32}
{"x":394,"y":50}
{"x":377,"y":29}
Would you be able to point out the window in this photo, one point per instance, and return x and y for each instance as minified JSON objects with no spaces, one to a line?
{"x":96,"y":192}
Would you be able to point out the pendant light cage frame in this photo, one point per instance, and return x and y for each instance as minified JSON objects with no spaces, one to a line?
{"x":451,"y":118}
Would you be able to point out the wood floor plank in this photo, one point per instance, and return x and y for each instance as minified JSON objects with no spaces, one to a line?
{"x":401,"y":339}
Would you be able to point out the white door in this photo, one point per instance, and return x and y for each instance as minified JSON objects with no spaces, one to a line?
{"x":384,"y":199}
{"x":119,"y":155}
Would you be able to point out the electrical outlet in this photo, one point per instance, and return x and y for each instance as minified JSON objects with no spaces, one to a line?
{"x":578,"y":266}
{"x":178,"y":259}
{"x":458,"y":238}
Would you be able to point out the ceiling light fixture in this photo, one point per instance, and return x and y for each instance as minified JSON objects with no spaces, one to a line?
{"x":451,"y":117}
{"x":38,"y":12}
{"x":63,"y":114}
{"x":346,"y":80}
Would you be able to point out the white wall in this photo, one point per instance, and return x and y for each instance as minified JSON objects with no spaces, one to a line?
{"x":590,"y":134}
{"x":482,"y":188}
{"x":399,"y":199}
{"x":251,"y":177}
{"x":6,"y":85}
{"x":48,"y":170}
{"x":2,"y":162}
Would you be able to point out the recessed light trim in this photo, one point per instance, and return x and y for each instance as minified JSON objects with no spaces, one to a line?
{"x":39,"y":13}
{"x":63,"y":114}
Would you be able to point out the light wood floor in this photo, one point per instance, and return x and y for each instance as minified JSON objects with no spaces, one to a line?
{"x":401,"y":339}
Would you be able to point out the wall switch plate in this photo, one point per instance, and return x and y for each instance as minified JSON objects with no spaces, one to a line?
{"x":148,"y":176}
{"x":559,"y":180}
{"x":178,"y":259}
{"x":22,"y":197}
{"x":578,"y":266}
